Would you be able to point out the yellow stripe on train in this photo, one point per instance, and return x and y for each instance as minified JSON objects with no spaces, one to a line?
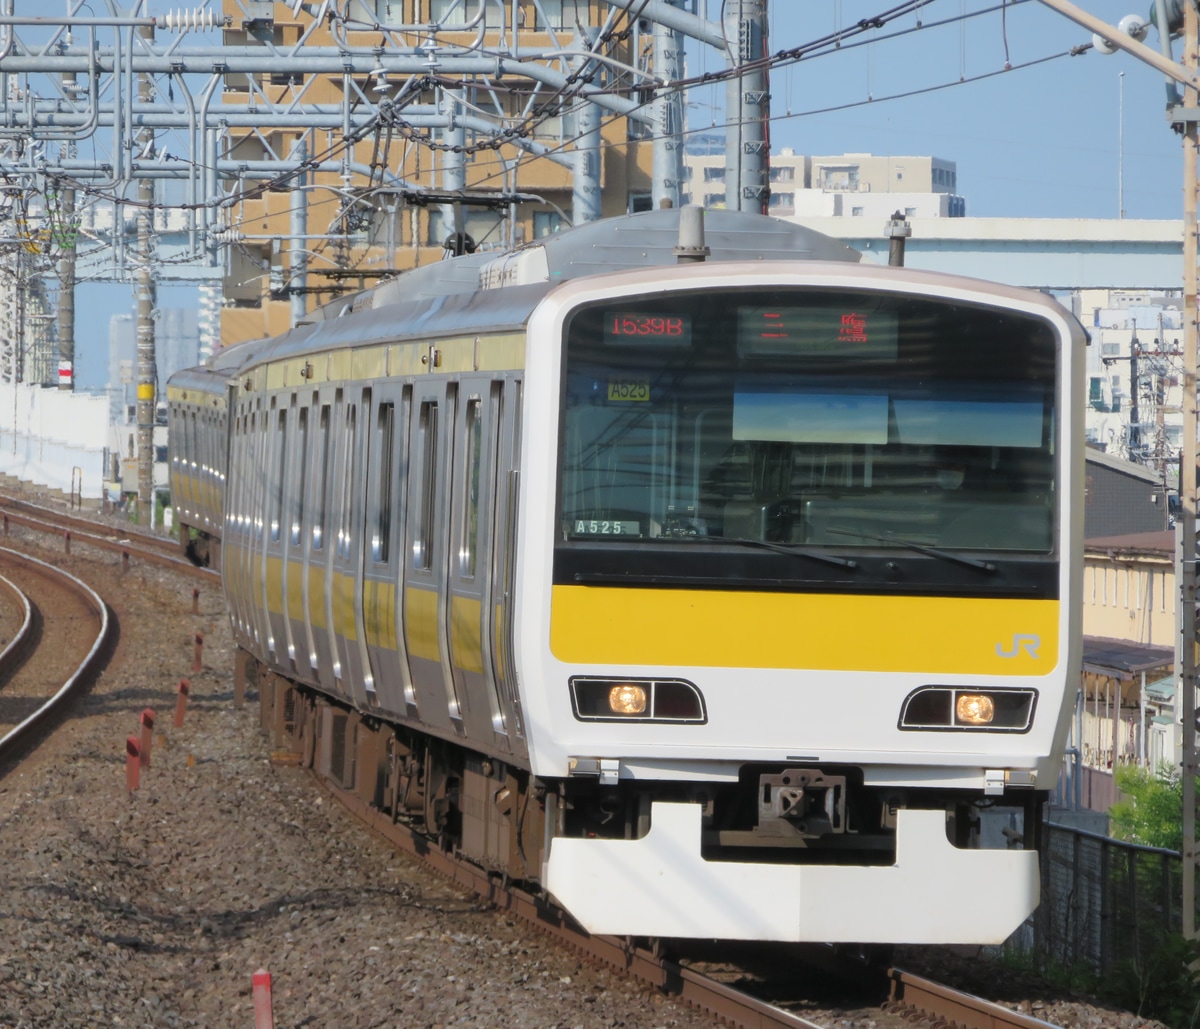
{"x":728,"y":629}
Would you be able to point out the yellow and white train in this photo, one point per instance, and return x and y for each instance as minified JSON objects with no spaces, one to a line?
{"x":713,"y":597}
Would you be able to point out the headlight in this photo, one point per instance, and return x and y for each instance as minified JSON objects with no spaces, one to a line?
{"x":979,"y":710}
{"x":627,"y":698}
{"x":974,"y":708}
{"x":637,"y":700}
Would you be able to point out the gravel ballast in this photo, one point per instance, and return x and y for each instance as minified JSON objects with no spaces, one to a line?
{"x":154,"y":909}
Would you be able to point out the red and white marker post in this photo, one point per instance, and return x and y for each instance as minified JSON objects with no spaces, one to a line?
{"x":181,"y":702}
{"x":264,"y":1015}
{"x":133,"y":762}
{"x":147,"y":720}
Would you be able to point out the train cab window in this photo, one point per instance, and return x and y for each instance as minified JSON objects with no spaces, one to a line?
{"x":830,"y":423}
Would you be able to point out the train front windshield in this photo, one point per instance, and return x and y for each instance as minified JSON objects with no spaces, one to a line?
{"x":876,"y":437}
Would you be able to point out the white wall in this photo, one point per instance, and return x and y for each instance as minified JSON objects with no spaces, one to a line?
{"x":54,"y":439}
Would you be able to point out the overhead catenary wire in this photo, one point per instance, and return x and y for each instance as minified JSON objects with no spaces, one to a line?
{"x":575,"y":90}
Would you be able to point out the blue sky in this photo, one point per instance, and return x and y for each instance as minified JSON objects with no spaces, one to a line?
{"x":1042,"y":141}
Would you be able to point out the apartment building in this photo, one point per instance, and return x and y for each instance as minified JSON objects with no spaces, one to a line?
{"x":1134,"y":370}
{"x":358,"y":228}
{"x":848,"y":185}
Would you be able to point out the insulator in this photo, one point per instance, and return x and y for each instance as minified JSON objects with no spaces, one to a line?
{"x":225,"y":237}
{"x":193,"y":19}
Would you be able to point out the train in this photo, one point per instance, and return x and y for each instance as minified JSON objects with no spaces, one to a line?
{"x":686,"y":567}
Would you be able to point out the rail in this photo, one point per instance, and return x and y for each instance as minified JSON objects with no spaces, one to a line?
{"x":16,"y":647}
{"x":24,"y":731}
{"x":921,"y":999}
{"x":151,"y":549}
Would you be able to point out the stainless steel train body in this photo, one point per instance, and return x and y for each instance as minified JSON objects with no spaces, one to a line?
{"x":713,"y":597}
{"x":198,"y":429}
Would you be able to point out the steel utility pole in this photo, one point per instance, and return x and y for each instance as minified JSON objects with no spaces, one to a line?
{"x":1185,"y":117}
{"x":747,"y":108}
{"x":1187,"y":477}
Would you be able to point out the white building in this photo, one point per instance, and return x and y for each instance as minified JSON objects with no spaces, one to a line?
{"x":1134,"y":370}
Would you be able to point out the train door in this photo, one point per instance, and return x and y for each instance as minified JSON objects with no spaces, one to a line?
{"x":316,"y":558}
{"x":346,"y":594}
{"x":231,"y":567}
{"x":503,"y":561}
{"x":291,"y":548}
{"x":300,"y":543}
{"x":256,"y":567}
{"x":382,"y":606}
{"x":190,"y":467}
{"x":426,"y":602}
{"x":473,"y":488}
{"x":241,"y":507}
{"x":274,"y":552}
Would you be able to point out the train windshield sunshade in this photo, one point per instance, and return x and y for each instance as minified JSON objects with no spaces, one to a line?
{"x":841,"y":417}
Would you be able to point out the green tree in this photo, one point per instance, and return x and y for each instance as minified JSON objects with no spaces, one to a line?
{"x":1151,"y":809}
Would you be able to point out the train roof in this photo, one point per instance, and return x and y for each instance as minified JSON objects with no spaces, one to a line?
{"x":646,"y":239}
{"x":214,"y":373}
{"x":497,"y":291}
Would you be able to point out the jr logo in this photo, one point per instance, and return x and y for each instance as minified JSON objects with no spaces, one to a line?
{"x":1021,"y":641}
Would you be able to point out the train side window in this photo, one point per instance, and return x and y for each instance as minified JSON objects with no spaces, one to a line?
{"x":250,"y":447}
{"x":256,"y":499}
{"x":322,"y":498}
{"x":386,"y":428}
{"x":428,"y":444}
{"x":231,"y":500}
{"x":302,"y":469}
{"x":277,"y":470}
{"x":348,"y":478}
{"x":470,"y":508}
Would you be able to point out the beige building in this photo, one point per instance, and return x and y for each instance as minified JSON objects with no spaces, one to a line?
{"x":846,"y":186}
{"x":359,"y":230}
{"x":1127,"y":704}
{"x":1129,"y":588}
{"x":867,"y":173}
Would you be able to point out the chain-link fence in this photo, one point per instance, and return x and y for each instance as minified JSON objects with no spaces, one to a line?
{"x":1104,"y":901}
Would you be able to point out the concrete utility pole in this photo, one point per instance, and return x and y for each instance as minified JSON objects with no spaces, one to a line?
{"x":147,"y":370}
{"x":66,"y":295}
{"x":66,"y":269}
{"x":297,"y":255}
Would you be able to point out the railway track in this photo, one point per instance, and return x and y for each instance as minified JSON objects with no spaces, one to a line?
{"x":910,"y":998}
{"x":56,"y":630}
{"x":129,"y":543}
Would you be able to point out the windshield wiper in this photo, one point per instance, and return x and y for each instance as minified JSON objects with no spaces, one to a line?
{"x":920,"y":548}
{"x":779,"y":548}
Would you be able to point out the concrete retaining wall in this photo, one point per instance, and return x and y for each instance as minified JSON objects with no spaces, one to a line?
{"x":53,"y":439}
